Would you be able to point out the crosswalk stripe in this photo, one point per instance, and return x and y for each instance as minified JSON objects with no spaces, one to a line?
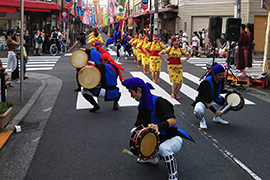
{"x":158,"y":90}
{"x":196,"y":80}
{"x":37,"y":63}
{"x":188,"y":91}
{"x":68,"y":54}
{"x":126,"y":99}
{"x":82,"y":103}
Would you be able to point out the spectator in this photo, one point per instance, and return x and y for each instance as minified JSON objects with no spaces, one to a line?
{"x":165,"y":37}
{"x":240,"y":63}
{"x":206,"y":46}
{"x":38,"y":42}
{"x":7,"y":77}
{"x":27,"y":41}
{"x":150,"y":37}
{"x":43,"y":35}
{"x":249,"y":48}
{"x":160,"y":36}
{"x":222,"y":44}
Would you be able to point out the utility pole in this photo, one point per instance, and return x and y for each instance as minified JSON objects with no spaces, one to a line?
{"x":21,"y":51}
{"x":150,"y":23}
{"x":237,"y":9}
{"x":156,"y":17}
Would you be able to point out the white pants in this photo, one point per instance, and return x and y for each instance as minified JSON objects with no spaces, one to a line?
{"x":101,"y":93}
{"x":200,"y":108}
{"x":168,"y":147}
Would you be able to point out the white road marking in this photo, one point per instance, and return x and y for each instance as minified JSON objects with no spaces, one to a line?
{"x":82,"y":103}
{"x":126,"y":99}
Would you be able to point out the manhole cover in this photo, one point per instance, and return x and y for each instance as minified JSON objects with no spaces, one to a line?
{"x":28,"y":126}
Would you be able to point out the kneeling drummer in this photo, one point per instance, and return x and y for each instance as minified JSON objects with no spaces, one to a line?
{"x":107,"y":88}
{"x":159,"y":113}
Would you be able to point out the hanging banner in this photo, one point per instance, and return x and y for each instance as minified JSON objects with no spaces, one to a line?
{"x":68,"y":4}
{"x":145,"y":4}
{"x":96,"y":13}
{"x":121,"y":8}
{"x":79,"y":3}
{"x":106,"y":19}
{"x":79,"y":12}
{"x":85,"y":16}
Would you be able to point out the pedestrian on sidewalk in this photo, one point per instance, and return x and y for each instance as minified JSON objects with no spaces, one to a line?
{"x":175,"y":65}
{"x":209,"y":96}
{"x":157,"y":113}
{"x":38,"y":43}
{"x":12,"y":64}
{"x":27,"y":41}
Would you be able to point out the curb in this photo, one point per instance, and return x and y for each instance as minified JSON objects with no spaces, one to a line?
{"x":7,"y":132}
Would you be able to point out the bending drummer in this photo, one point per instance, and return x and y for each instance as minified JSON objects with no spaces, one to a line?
{"x":158,"y":113}
{"x":209,"y":96}
{"x":107,"y":89}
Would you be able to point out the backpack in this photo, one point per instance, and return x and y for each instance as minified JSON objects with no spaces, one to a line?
{"x":39,"y":39}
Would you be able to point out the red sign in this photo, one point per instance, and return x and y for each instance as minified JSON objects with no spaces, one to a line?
{"x":145,"y":4}
{"x":68,"y":4}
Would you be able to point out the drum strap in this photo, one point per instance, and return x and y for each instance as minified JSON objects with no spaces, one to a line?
{"x":112,"y":69}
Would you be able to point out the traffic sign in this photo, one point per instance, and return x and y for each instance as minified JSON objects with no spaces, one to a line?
{"x":64,"y":20}
{"x":64,"y":14}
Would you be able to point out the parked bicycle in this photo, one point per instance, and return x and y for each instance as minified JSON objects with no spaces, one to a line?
{"x":54,"y":49}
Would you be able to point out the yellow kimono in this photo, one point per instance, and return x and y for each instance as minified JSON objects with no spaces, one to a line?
{"x":138,"y":53}
{"x":155,"y":61}
{"x":145,"y":56}
{"x":175,"y":67}
{"x":93,"y":40}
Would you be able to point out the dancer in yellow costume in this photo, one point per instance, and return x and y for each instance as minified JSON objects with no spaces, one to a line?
{"x":145,"y":57}
{"x":134,"y":46}
{"x":95,"y":39}
{"x":155,"y":62}
{"x":175,"y":65}
{"x":139,"y":54}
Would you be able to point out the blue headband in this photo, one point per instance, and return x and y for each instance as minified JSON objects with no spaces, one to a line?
{"x":146,"y":99}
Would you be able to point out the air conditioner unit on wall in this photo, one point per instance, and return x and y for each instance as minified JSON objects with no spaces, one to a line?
{"x":174,"y":2}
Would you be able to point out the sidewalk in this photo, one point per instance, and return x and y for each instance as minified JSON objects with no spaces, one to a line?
{"x":32,"y":88}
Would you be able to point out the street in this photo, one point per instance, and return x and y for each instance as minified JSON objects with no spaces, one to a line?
{"x":72,"y":143}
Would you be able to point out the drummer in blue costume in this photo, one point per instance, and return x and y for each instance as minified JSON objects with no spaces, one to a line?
{"x":209,"y":96}
{"x":157,"y":113}
{"x":108,"y":86}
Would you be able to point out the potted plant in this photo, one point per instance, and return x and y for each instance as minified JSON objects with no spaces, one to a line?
{"x":5,"y":113}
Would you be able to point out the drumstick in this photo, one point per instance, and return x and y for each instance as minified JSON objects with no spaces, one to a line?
{"x":225,"y":108}
{"x":128,"y":152}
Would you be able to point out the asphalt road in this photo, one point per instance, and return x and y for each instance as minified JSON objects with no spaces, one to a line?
{"x":76,"y":144}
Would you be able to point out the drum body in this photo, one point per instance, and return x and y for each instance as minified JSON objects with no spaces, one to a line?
{"x":89,"y":77}
{"x":144,"y":142}
{"x":78,"y":59}
{"x":236,"y":99}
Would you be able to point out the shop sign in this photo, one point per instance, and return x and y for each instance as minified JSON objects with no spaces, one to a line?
{"x":145,"y":4}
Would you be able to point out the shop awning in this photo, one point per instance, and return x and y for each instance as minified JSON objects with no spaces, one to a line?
{"x":39,"y":6}
{"x":152,"y":12}
{"x":6,"y":9}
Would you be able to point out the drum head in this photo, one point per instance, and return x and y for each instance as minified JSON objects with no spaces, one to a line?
{"x":78,"y":59}
{"x":148,"y":144}
{"x":236,"y":99}
{"x":89,"y":77}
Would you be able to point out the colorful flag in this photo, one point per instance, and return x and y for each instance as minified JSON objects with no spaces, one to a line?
{"x":106,"y":19}
{"x":121,"y":9}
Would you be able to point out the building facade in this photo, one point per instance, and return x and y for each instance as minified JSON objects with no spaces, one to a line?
{"x":193,"y":15}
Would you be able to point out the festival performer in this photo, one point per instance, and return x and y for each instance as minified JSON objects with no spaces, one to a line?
{"x":209,"y":96}
{"x":116,"y":34}
{"x":95,"y":39}
{"x":109,"y":42}
{"x":138,"y":52}
{"x":155,"y":62}
{"x":107,"y":88}
{"x":157,"y":113}
{"x":240,"y":63}
{"x":93,"y":55}
{"x":175,"y":65}
{"x":134,"y":46}
{"x":145,"y":57}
